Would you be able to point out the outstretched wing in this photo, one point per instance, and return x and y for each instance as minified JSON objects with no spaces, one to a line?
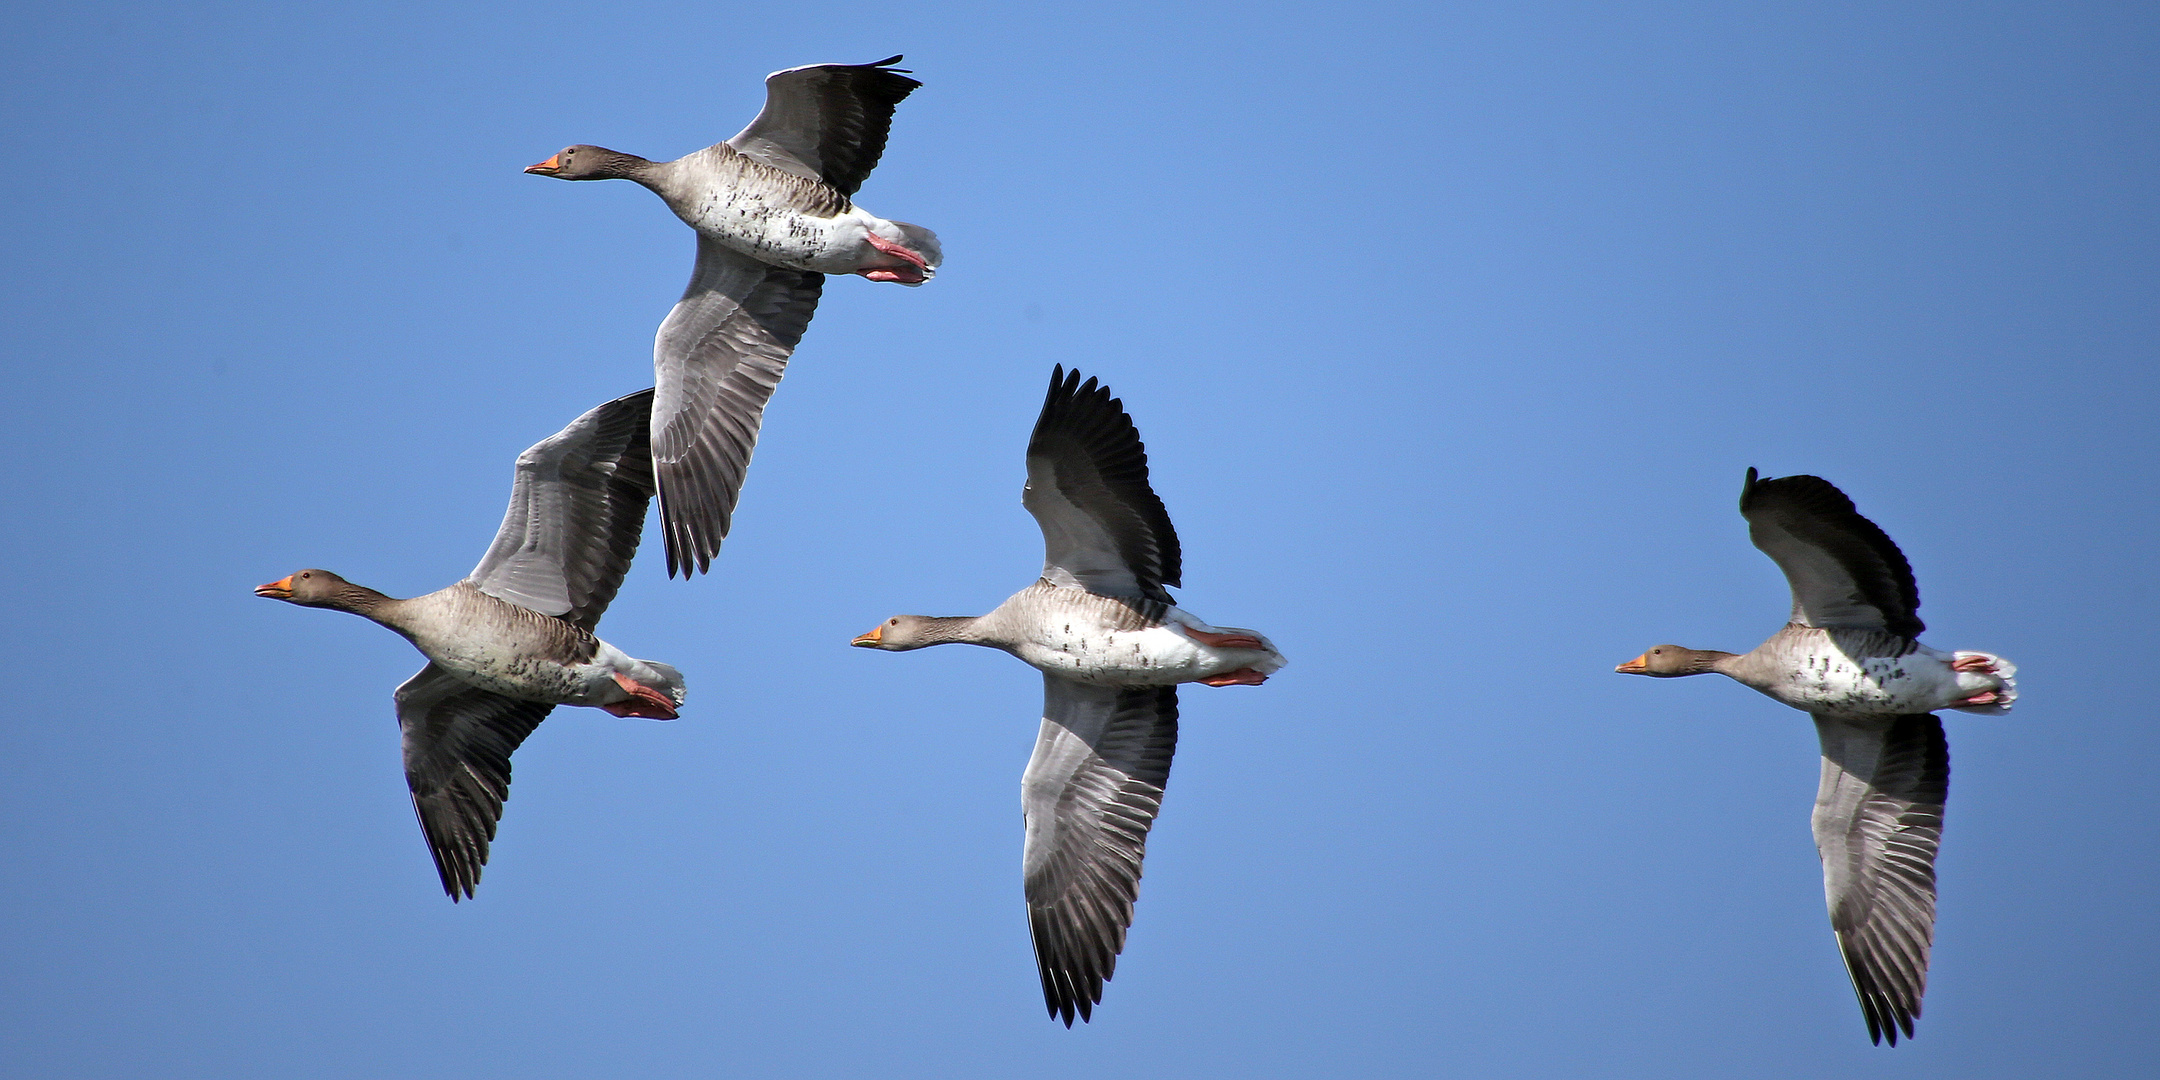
{"x":1090,"y":794}
{"x":458,"y":739}
{"x":827,"y":121}
{"x":1844,"y":571}
{"x":716,"y":359}
{"x":1103,"y":527}
{"x":1878,"y":822}
{"x":576,"y":512}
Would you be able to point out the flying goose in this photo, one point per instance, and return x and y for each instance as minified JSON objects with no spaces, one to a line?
{"x":515,"y":638}
{"x":1850,"y":657}
{"x":1112,"y":646}
{"x":773,"y":212}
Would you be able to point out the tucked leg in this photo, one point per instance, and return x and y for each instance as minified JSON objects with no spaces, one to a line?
{"x":645,"y":702}
{"x":1223,"y":641}
{"x":905,"y":275}
{"x":1980,"y":662}
{"x":1240,"y":677}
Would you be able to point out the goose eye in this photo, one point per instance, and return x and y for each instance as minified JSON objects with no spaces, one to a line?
{"x":895,"y":622}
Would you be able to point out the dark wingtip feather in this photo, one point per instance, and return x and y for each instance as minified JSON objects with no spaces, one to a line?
{"x":1820,"y":499}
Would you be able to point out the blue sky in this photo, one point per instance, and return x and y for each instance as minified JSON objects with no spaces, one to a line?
{"x":1451,"y":330}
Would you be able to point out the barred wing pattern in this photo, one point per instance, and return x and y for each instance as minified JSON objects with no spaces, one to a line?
{"x":717,"y":359}
{"x":1845,"y":572}
{"x":1104,"y":528}
{"x":827,"y":121}
{"x":1090,"y":794}
{"x":1878,"y":823}
{"x":577,"y":510}
{"x":457,"y":744}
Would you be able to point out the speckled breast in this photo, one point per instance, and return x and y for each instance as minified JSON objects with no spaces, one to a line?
{"x":1861,"y":674}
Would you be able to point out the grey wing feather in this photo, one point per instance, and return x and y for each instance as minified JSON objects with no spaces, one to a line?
{"x":458,"y":739}
{"x":1844,"y":570}
{"x":717,"y":358}
{"x":1090,"y":794}
{"x":576,"y":512}
{"x":826,"y":121}
{"x":1878,"y":823}
{"x":1103,"y":526}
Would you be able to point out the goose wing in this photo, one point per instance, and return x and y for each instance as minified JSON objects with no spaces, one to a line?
{"x":1844,"y":570}
{"x":827,"y":121}
{"x":1090,"y":794}
{"x":717,"y":358}
{"x":1878,"y":822}
{"x":458,"y":739}
{"x":576,"y":511}
{"x":1104,"y":529}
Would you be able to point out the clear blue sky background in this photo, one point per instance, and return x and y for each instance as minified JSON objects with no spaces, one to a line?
{"x":1451,"y":330}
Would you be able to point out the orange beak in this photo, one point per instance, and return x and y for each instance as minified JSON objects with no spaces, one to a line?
{"x":552,"y":165}
{"x":871,"y":639}
{"x":1638,"y":666}
{"x":281,"y":589}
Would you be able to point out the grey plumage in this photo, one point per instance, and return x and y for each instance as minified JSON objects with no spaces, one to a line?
{"x":1104,"y":528}
{"x":827,"y":121}
{"x":773,"y":212}
{"x":1850,"y":658}
{"x":1090,"y":795}
{"x":457,"y":741}
{"x":1878,"y":822}
{"x":515,"y":638}
{"x":1844,"y":570}
{"x":577,"y":509}
{"x":718,"y":357}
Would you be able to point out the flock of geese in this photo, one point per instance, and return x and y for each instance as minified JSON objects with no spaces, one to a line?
{"x":773,"y":211}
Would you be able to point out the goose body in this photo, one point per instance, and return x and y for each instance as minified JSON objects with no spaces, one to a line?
{"x":517,"y":652}
{"x":1863,"y":673}
{"x":760,"y":212}
{"x":1112,"y":647}
{"x":1850,"y":657}
{"x":1069,"y":632}
{"x":774,"y":212}
{"x":515,"y":638}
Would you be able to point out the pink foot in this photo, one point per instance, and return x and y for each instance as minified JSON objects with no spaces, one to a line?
{"x":1240,"y":677}
{"x":1985,"y":697}
{"x":1223,"y":641}
{"x":905,"y":275}
{"x":645,"y":702}
{"x":1983,"y":664}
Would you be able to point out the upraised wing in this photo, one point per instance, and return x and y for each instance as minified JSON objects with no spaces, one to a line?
{"x":458,"y":739}
{"x":1090,"y":794}
{"x":827,"y":121}
{"x":1844,"y":571}
{"x":717,"y":358}
{"x":576,"y":511}
{"x":1104,"y":529}
{"x":1878,"y":822}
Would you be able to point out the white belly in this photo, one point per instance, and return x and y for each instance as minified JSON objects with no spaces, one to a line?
{"x":1830,"y":682}
{"x":1156,"y":656}
{"x":763,"y":226}
{"x":493,"y":666}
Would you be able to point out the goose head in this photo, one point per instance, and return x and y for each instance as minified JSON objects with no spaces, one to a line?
{"x":1673,"y":661}
{"x":583,"y":162}
{"x":903,"y":632}
{"x":315,"y":588}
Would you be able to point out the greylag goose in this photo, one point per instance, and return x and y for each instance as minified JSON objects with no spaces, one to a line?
{"x":1112,"y":646}
{"x":1850,"y":658}
{"x":773,"y":212}
{"x":515,"y":638}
